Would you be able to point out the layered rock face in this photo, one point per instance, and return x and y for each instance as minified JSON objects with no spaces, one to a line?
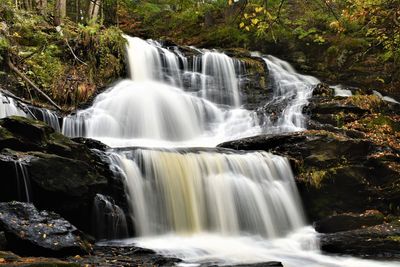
{"x":44,"y":167}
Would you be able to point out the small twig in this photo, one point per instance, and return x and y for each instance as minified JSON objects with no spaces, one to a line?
{"x":72,"y":51}
{"x":26,"y":79}
{"x":331,"y":10}
{"x":279,"y":10}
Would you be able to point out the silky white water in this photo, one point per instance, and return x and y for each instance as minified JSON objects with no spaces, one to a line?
{"x":154,"y":109}
{"x":8,"y":107}
{"x":291,"y":91}
{"x":217,"y":191}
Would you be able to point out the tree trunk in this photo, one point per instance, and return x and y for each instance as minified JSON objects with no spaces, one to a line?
{"x":94,"y":7}
{"x":41,"y":6}
{"x":26,"y":4}
{"x":60,"y":11}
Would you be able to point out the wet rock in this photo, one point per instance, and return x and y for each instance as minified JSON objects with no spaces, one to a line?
{"x":32,"y":232}
{"x":323,"y":89}
{"x":334,"y":113}
{"x":348,"y":221}
{"x":11,"y":259}
{"x":254,"y":83}
{"x":109,"y":220}
{"x":3,"y":241}
{"x":91,"y":143}
{"x":381,"y":241}
{"x":108,"y":255}
{"x":61,"y":175}
{"x":261,"y":264}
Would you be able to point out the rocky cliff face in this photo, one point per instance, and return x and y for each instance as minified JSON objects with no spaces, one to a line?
{"x":52,"y":171}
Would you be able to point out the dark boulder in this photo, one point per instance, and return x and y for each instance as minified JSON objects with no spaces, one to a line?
{"x":91,"y":143}
{"x":109,"y":255}
{"x":348,"y":221}
{"x":32,"y":232}
{"x":57,"y":174}
{"x":381,"y":241}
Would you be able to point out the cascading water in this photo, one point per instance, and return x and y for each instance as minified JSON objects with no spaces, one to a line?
{"x":9,"y":107}
{"x":203,"y":205}
{"x":23,"y":181}
{"x":109,"y":219}
{"x":291,"y":94}
{"x":216,"y":191}
{"x":149,"y":110}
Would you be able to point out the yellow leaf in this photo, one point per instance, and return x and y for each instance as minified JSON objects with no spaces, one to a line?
{"x":258,"y":9}
{"x":241,"y":25}
{"x":254,"y":21}
{"x":247,"y":28}
{"x":246,"y":15}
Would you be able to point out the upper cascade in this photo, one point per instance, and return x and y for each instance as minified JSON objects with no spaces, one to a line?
{"x":213,"y":74}
{"x":175,"y":100}
{"x":219,"y":80}
{"x":168,"y":103}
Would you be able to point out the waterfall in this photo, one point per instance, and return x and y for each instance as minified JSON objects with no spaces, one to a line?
{"x":109,"y":219}
{"x":166,"y":103}
{"x":219,"y":82}
{"x":291,"y":93}
{"x":23,"y":181}
{"x":215,"y":191}
{"x":47,"y":116}
{"x":9,"y":107}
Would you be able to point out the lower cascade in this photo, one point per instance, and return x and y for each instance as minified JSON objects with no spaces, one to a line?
{"x":219,"y":207}
{"x":222,"y":192}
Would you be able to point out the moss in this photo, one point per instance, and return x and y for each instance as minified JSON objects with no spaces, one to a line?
{"x":317,"y":177}
{"x":49,"y":58}
{"x":339,"y":117}
{"x":253,"y":65}
{"x":4,"y":46}
{"x":45,"y":68}
{"x":395,"y":238}
{"x":5,"y":134}
{"x":382,"y":120}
